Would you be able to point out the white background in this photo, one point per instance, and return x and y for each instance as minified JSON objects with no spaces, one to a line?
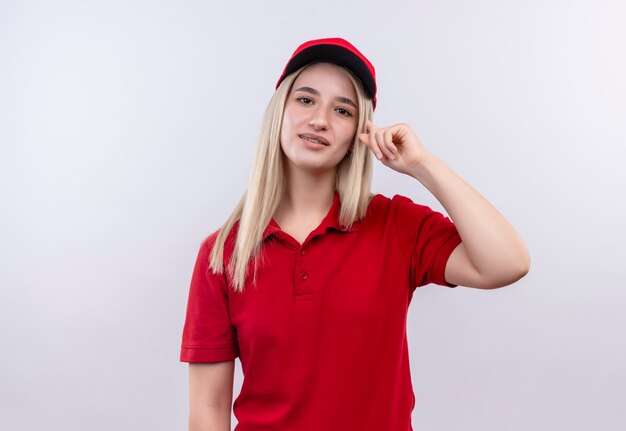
{"x":127,"y":130}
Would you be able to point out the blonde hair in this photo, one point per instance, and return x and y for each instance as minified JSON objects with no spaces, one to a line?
{"x":266,"y":186}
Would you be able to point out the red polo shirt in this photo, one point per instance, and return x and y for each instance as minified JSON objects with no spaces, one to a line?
{"x":322,"y":336}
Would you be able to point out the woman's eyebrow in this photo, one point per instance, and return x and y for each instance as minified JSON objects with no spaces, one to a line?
{"x":309,"y":90}
{"x":347,"y":101}
{"x":317,"y":93}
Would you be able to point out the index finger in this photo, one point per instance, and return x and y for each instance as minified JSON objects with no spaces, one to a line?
{"x":370,"y":126}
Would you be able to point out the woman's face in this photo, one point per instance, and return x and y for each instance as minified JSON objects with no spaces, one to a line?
{"x":320,"y":118}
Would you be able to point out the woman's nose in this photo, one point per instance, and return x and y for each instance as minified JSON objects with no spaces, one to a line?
{"x":318,"y":120}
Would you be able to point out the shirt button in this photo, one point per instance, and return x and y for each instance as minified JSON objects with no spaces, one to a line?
{"x":304,"y":275}
{"x":302,"y":252}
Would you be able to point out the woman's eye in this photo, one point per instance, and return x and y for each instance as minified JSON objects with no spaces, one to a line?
{"x":344,"y":112}
{"x":305,"y":100}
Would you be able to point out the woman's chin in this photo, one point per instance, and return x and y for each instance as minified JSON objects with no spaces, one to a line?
{"x":312,"y":167}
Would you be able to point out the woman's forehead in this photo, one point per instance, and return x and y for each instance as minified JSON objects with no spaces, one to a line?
{"x":326,"y":77}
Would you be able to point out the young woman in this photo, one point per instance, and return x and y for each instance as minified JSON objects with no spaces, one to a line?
{"x":309,"y":280}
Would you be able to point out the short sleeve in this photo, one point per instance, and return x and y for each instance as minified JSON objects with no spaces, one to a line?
{"x":208,"y":334}
{"x":427,"y":237}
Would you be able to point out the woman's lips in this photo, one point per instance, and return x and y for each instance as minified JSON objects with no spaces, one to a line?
{"x":315,"y":139}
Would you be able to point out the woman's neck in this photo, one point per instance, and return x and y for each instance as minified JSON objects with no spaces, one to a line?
{"x":307,"y":195}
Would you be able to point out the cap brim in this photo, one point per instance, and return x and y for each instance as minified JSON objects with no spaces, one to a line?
{"x":334,"y":54}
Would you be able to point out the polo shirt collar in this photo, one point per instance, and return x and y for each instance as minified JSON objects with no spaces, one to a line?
{"x":331,"y":221}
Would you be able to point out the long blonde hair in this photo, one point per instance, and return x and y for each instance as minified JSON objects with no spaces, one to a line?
{"x":266,"y":185}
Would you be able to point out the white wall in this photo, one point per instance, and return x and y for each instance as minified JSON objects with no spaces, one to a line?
{"x":126,"y":134}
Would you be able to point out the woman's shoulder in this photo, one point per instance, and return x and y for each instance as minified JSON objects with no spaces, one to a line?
{"x":380,"y":201}
{"x":208,"y":242}
{"x":396,"y":207}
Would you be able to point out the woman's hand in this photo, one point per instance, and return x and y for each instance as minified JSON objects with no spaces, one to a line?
{"x":397,"y":146}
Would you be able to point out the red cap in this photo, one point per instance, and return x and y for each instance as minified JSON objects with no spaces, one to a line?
{"x":338,"y":51}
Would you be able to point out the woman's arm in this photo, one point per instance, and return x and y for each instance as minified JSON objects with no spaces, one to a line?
{"x":491,"y":254}
{"x":210,"y":395}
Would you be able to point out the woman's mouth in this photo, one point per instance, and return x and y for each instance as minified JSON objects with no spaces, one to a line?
{"x":314,"y":140}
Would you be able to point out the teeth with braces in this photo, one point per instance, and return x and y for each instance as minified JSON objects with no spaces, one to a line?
{"x":317,"y":141}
